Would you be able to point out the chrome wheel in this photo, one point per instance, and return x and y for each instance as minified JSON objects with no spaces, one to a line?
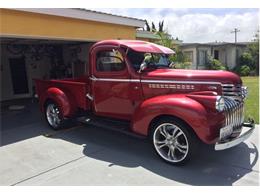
{"x":171,"y":142}
{"x":53,"y":115}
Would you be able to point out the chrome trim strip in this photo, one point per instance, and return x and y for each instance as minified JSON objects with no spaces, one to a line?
{"x":93,"y":78}
{"x":180,"y":82}
{"x":231,"y":93}
{"x":227,"y":85}
{"x":113,"y":80}
{"x":234,"y":91}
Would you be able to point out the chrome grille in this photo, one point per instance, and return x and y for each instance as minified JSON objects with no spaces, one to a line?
{"x":231,"y":90}
{"x":234,"y":113}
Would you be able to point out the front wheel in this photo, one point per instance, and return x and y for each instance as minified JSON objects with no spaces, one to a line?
{"x":54,"y":116}
{"x":173,"y":141}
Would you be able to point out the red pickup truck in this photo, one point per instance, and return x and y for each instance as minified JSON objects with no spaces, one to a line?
{"x":131,"y":87}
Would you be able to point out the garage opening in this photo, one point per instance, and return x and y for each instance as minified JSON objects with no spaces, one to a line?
{"x":22,"y":60}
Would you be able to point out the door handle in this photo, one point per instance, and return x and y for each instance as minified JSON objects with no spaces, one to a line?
{"x":92,"y":78}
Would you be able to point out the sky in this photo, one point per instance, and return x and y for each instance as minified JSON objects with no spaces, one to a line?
{"x":198,"y":25}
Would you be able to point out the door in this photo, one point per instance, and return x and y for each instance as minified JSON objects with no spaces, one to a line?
{"x":112,"y":86}
{"x":19,"y":75}
{"x":216,"y":54}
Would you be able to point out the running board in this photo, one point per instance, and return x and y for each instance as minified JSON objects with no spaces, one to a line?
{"x":110,"y":124}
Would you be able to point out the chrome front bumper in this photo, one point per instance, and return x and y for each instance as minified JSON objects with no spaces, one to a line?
{"x":248,"y":129}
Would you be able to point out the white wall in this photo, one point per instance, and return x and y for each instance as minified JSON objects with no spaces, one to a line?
{"x":231,"y":55}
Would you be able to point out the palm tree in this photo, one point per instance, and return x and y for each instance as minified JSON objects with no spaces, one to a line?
{"x":165,"y":39}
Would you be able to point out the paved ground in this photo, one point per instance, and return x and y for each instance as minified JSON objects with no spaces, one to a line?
{"x":32,"y":154}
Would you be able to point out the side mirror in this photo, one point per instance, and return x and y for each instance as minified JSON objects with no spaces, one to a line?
{"x":143,"y":66}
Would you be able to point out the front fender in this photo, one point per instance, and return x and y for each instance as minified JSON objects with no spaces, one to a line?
{"x":189,"y":110}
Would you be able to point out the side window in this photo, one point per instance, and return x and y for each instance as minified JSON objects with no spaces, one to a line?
{"x":109,"y":61}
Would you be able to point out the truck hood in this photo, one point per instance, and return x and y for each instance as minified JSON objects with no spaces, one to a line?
{"x":224,"y":77}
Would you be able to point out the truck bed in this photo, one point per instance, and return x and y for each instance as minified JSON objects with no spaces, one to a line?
{"x":76,"y":89}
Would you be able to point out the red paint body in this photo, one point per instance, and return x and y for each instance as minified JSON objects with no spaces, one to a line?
{"x":142,"y":97}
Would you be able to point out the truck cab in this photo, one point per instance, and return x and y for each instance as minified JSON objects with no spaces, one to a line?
{"x":135,"y":84}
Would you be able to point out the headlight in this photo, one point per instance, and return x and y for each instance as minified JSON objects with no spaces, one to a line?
{"x":220,"y":103}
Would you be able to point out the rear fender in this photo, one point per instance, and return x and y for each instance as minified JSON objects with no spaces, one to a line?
{"x":189,"y":110}
{"x":64,"y":101}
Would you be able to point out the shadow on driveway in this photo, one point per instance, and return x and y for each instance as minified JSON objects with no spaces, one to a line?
{"x":18,"y":125}
{"x":208,"y":168}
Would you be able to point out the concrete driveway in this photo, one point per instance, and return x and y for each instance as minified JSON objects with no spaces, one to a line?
{"x":33,"y":154}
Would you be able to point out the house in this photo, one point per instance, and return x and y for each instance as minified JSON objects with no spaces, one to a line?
{"x":52,"y":43}
{"x":199,"y":53}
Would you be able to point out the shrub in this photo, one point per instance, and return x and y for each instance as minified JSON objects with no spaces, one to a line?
{"x":216,"y":64}
{"x":177,"y":57}
{"x":182,"y":65}
{"x":244,"y":70}
{"x":246,"y":58}
{"x":236,"y":70}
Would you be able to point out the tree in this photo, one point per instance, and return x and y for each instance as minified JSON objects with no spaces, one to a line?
{"x":161,"y":26}
{"x":148,"y":28}
{"x":153,"y":28}
{"x":250,"y":57}
{"x":165,"y":39}
{"x":253,"y":49}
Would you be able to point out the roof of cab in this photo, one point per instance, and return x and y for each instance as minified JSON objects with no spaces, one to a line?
{"x":136,"y":45}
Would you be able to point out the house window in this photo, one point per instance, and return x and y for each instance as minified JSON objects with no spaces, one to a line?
{"x":188,"y":55}
{"x":216,"y":54}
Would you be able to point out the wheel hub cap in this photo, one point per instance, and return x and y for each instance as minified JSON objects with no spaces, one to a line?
{"x":53,"y":115}
{"x":170,"y":142}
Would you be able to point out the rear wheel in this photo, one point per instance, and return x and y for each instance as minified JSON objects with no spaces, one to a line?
{"x":54,"y":116}
{"x":173,"y":141}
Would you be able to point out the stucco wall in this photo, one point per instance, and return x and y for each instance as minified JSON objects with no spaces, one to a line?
{"x":20,"y":23}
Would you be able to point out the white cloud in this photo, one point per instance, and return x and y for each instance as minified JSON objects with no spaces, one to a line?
{"x":196,"y":25}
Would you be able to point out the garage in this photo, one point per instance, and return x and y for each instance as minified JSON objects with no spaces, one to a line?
{"x":25,"y":59}
{"x":52,"y":44}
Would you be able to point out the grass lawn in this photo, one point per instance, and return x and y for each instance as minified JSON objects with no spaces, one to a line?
{"x":252,"y":101}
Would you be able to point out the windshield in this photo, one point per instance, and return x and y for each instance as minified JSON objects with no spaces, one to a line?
{"x":153,"y":60}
